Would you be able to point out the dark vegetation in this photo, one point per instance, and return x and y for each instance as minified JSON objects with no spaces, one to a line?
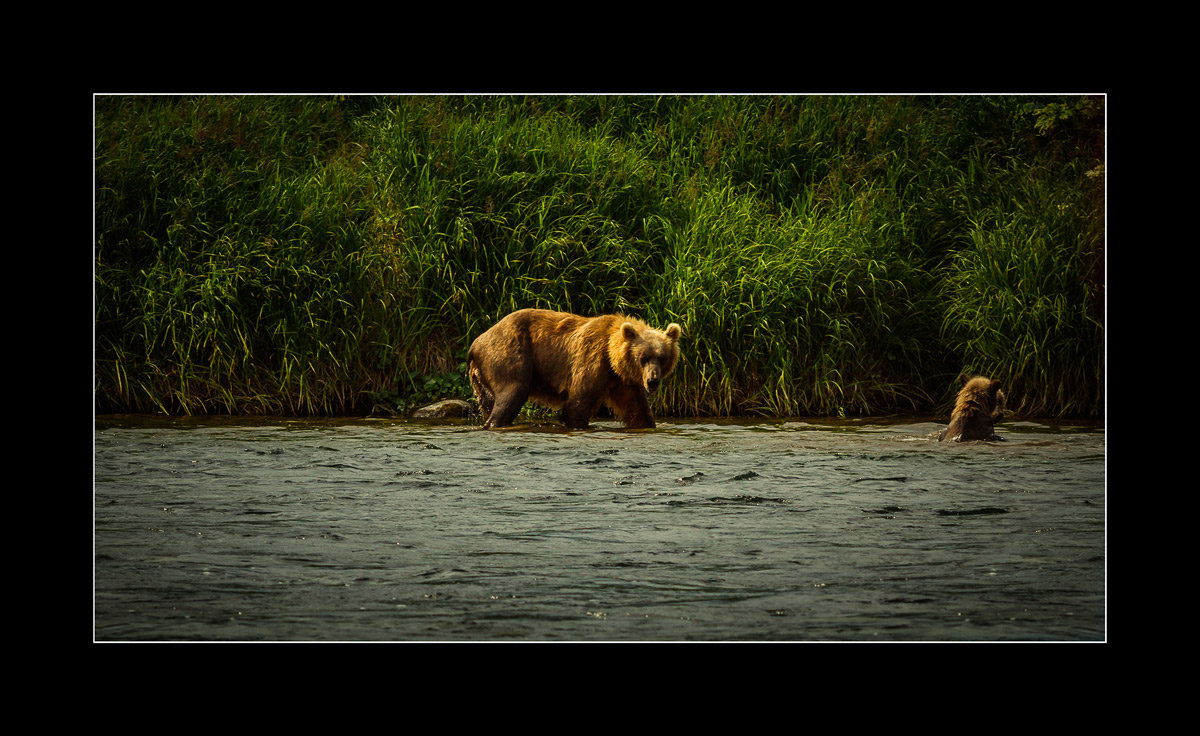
{"x":825,"y":255}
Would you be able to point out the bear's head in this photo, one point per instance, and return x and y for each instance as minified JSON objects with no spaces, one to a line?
{"x":646,"y":355}
{"x":984,"y":393}
{"x":999,"y":403}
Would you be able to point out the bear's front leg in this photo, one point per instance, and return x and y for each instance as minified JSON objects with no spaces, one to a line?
{"x":632,"y":407}
{"x":639,"y":420}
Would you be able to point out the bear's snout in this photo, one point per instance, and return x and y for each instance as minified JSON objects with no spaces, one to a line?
{"x":651,"y":376}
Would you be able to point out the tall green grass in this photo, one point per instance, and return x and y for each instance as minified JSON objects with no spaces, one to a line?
{"x":838,"y":255}
{"x":1023,"y":300}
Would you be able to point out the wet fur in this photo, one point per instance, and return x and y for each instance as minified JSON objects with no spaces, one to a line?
{"x":979,"y":405}
{"x":571,"y":363}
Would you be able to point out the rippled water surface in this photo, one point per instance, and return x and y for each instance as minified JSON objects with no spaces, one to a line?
{"x":386,"y":530}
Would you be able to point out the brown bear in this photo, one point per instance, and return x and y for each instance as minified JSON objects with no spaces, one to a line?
{"x":980,"y":404}
{"x":575,"y":363}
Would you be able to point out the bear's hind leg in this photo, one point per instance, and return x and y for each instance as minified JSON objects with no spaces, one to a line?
{"x":483,"y":394}
{"x":577,"y":412}
{"x":582,"y":401}
{"x":507,"y":404}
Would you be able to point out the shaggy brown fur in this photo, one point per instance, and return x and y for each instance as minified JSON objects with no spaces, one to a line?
{"x":979,"y":406}
{"x":572,"y":363}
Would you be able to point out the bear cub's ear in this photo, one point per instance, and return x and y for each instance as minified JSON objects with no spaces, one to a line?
{"x":629,"y":332}
{"x":673,"y":331}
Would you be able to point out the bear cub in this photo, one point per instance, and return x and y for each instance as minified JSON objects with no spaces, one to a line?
{"x":980,"y":404}
{"x":572,"y":363}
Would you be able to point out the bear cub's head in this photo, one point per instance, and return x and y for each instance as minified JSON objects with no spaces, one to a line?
{"x":986,"y":394}
{"x":999,"y":403}
{"x":996,"y":401}
{"x":649,"y":354}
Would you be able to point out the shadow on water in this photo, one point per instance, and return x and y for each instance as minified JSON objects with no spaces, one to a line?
{"x":396,"y":530}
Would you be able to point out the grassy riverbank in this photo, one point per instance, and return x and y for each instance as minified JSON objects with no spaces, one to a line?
{"x":833,"y":255}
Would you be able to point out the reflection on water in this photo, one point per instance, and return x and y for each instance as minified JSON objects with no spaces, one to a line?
{"x":387,"y":530}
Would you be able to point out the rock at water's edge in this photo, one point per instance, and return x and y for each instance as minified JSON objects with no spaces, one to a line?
{"x":443,"y":410}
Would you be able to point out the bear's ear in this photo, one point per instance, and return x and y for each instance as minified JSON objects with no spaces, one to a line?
{"x":629,"y":332}
{"x":994,"y":386}
{"x":673,"y":331}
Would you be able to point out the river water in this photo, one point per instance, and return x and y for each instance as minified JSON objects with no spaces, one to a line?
{"x":393,"y":530}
